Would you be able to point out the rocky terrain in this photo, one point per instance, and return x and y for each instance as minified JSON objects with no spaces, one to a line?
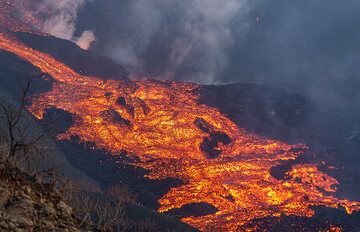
{"x":28,"y":205}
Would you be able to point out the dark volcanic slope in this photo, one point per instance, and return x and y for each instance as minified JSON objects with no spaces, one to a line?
{"x":260,"y":109}
{"x":14,"y":71}
{"x":332,"y":133}
{"x":283,"y":115}
{"x":13,"y":74}
{"x":81,"y":61}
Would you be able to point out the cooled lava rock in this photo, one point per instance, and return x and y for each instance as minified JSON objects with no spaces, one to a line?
{"x":108,"y":94}
{"x":114,"y":116}
{"x":193,"y":210}
{"x":121,"y":101}
{"x":146,"y":109}
{"x":203,"y":125}
{"x":210,"y":145}
{"x":58,"y":119}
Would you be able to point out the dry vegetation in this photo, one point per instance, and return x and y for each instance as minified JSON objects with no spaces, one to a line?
{"x":121,"y":195}
{"x":22,"y":141}
{"x":106,"y":212}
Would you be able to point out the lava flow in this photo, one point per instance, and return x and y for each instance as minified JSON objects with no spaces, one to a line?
{"x":15,"y":16}
{"x":176,"y":137}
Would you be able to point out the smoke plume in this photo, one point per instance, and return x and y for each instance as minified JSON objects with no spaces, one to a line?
{"x":306,"y":46}
{"x":191,"y":34}
{"x":85,"y":40}
{"x":206,"y":36}
{"x":59,"y":19}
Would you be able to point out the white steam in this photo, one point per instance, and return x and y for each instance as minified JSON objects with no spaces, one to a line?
{"x":207,"y":33}
{"x":85,"y":40}
{"x":60,"y":21}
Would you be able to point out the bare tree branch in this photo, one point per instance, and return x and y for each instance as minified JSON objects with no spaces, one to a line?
{"x":23,"y":136}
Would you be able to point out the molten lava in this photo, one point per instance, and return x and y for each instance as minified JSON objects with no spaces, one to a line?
{"x":16,"y":16}
{"x":176,"y":137}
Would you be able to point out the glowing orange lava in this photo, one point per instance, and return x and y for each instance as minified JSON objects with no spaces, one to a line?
{"x":163,"y":123}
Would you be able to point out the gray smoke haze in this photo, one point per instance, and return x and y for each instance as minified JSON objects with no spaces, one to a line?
{"x":266,"y":34}
{"x":308,"y":46}
{"x":198,"y":29}
{"x":59,"y":19}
